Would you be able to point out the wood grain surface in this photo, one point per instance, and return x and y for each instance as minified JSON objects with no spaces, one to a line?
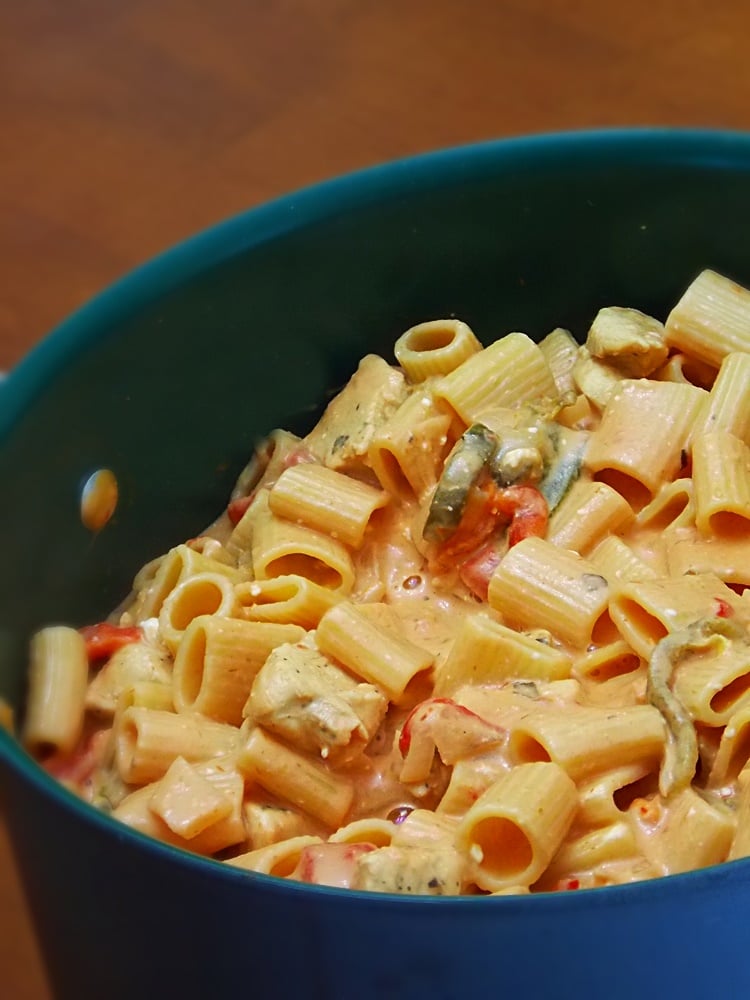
{"x":128,"y":126}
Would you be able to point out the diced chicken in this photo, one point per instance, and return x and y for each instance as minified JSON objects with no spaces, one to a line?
{"x":410,"y":870}
{"x":269,"y":823}
{"x":373,"y":394}
{"x":629,"y":340}
{"x":129,"y":665}
{"x":596,"y":379}
{"x":300,"y":695}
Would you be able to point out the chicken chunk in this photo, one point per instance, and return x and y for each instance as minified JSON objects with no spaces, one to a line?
{"x":629,"y":340}
{"x":129,"y":665}
{"x":373,"y":394}
{"x":303,"y":697}
{"x":595,"y":378}
{"x":410,"y":870}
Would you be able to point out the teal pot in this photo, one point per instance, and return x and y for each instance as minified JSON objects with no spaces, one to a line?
{"x":169,"y":378}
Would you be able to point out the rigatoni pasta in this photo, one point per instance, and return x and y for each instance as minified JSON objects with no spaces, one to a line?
{"x":407,"y":452}
{"x":328,"y":501}
{"x":512,"y":370}
{"x":281,"y":547}
{"x":435,"y":348}
{"x":635,"y":462}
{"x":514,"y":829}
{"x":482,"y":630}
{"x":58,"y":674}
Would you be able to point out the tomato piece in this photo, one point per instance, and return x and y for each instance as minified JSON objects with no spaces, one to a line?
{"x":103,"y":640}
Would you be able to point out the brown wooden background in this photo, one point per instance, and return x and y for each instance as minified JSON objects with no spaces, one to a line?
{"x":126,"y":126}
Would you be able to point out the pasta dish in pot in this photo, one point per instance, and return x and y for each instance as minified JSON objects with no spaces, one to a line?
{"x":484,"y":630}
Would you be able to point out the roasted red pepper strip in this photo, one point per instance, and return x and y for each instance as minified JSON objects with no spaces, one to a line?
{"x":527,"y":509}
{"x":103,"y":640}
{"x":421,"y":711}
{"x":442,"y":726}
{"x":488,"y":506}
{"x":404,"y":740}
{"x":723,"y":608}
{"x":565,"y":884}
{"x":237,"y":508}
{"x":478,"y":569}
{"x":478,"y":522}
{"x":76,"y":768}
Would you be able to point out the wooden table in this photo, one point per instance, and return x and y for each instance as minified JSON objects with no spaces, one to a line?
{"x":127,"y":126}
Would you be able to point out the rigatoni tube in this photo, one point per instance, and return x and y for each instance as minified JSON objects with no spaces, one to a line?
{"x":586,"y":740}
{"x":603,"y":846}
{"x":588,"y":512}
{"x":560,"y":350}
{"x":712,"y":318}
{"x":436,"y":347}
{"x":202,"y":594}
{"x":289,"y":600}
{"x":508,"y":372}
{"x":408,"y":451}
{"x":721,"y":484}
{"x":177,"y":565}
{"x":636,"y":463}
{"x":327,"y":501}
{"x":376,"y":654}
{"x":513,"y":830}
{"x":306,"y":783}
{"x":148,"y":740}
{"x":58,"y":674}
{"x":280,"y":859}
{"x":617,"y":562}
{"x":647,"y":610}
{"x":538,"y":585}
{"x":486,"y":652}
{"x":281,"y":547}
{"x":728,"y":404}
{"x":217,"y":661}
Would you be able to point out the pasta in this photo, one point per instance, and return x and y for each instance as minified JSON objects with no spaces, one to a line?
{"x":57,"y":676}
{"x":483,"y":630}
